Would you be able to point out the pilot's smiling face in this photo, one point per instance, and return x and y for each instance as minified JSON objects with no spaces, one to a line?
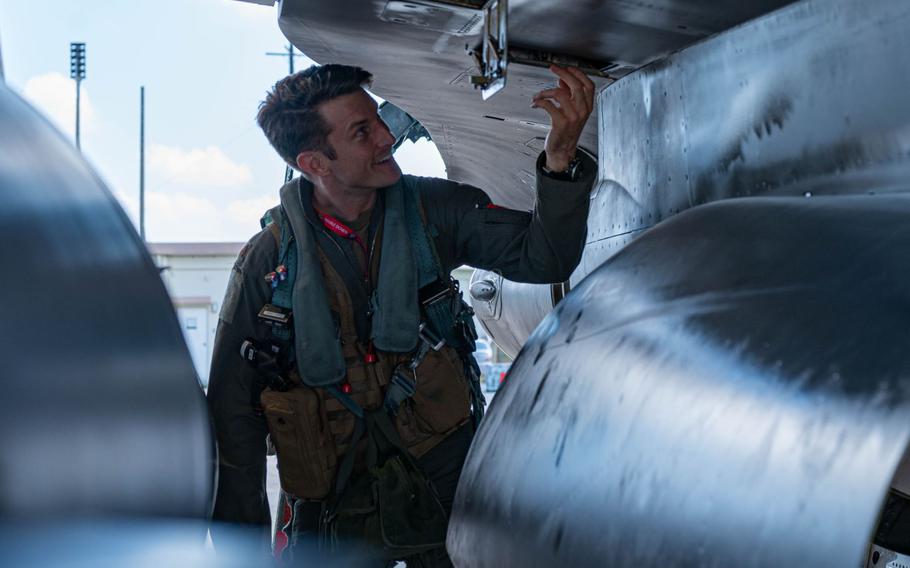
{"x":361,"y":141}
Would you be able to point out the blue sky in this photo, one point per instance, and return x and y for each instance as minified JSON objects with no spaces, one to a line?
{"x":210,"y":173}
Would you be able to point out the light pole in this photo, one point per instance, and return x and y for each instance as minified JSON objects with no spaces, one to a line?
{"x":142,"y":162}
{"x":77,"y":72}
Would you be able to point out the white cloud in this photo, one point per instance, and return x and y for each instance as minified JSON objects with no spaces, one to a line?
{"x":247,"y":212}
{"x":181,"y":217}
{"x":55,"y":95}
{"x":200,"y":166}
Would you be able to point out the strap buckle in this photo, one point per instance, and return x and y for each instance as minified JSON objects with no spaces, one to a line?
{"x":437,"y":291}
{"x":429,"y":338}
{"x":275,"y":317}
{"x":400,"y":389}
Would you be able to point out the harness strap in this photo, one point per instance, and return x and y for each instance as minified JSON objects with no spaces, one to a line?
{"x":401,"y":387}
{"x":443,"y":307}
{"x":347,"y":401}
{"x":287,"y":256}
{"x":347,"y":464}
{"x":346,"y":467}
{"x":399,"y":390}
{"x":373,"y":422}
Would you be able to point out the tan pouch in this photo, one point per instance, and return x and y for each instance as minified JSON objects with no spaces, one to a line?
{"x":306,"y":456}
{"x":442,"y":400}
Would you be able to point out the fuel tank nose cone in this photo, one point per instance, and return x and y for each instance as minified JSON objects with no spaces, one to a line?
{"x":483,"y":290}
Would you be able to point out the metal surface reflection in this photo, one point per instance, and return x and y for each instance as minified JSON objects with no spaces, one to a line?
{"x":726,"y":385}
{"x":101,"y":410}
{"x":729,"y":388}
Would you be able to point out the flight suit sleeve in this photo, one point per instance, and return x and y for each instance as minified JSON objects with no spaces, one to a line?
{"x":539,"y":246}
{"x":233,"y":393}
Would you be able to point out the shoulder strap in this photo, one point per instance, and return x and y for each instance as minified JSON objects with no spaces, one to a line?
{"x":429,"y":267}
{"x":444,"y":316}
{"x":276,"y":222}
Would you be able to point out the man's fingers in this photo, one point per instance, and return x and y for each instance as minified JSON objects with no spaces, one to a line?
{"x":586,"y":83}
{"x":586,"y":94}
{"x":579,"y":85}
{"x":548,"y":105}
{"x":562,"y":97}
{"x":567,"y":77}
{"x":547,"y":94}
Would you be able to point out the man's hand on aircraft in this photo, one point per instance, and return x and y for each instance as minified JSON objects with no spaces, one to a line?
{"x":569,"y":106}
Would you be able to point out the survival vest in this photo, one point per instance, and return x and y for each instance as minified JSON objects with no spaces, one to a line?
{"x":428,"y":393}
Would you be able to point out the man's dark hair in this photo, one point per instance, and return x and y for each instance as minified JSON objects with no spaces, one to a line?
{"x":289,"y":115}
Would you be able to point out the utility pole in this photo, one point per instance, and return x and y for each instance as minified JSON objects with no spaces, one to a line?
{"x":289,"y":54}
{"x":288,"y":172}
{"x":77,"y":72}
{"x":142,"y":162}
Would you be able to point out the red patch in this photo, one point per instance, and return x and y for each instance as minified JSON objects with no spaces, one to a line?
{"x":281,"y":544}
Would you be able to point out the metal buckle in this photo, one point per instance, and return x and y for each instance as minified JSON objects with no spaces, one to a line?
{"x":428,"y":337}
{"x":275,"y":316}
{"x":435,"y":292}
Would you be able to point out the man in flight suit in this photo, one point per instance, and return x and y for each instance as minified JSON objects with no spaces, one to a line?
{"x":325,"y":125}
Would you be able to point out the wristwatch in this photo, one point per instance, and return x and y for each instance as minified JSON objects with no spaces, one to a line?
{"x":571,"y":173}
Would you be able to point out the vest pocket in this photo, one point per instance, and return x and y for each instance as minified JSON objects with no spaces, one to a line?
{"x":306,"y":456}
{"x":442,"y":400}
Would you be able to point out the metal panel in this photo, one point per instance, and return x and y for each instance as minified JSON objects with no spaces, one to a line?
{"x":101,"y":410}
{"x":731,"y":389}
{"x":802,"y":100}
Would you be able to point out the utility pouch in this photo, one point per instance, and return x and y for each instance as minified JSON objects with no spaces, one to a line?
{"x":391,"y":507}
{"x":306,"y":455}
{"x":442,"y":399}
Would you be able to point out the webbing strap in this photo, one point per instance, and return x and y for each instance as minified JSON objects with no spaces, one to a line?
{"x":347,"y":464}
{"x":381,"y":422}
{"x":347,"y":401}
{"x":399,"y":390}
{"x":287,"y":255}
{"x":383,"y":439}
{"x":442,"y":315}
{"x":275,"y":220}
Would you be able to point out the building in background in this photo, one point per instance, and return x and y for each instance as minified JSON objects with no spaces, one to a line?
{"x":196,"y":277}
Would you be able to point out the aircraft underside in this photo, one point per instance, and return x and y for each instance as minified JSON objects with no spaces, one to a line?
{"x":720,"y":386}
{"x":724,"y":380}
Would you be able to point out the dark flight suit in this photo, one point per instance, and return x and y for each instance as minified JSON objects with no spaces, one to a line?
{"x":543,"y":246}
